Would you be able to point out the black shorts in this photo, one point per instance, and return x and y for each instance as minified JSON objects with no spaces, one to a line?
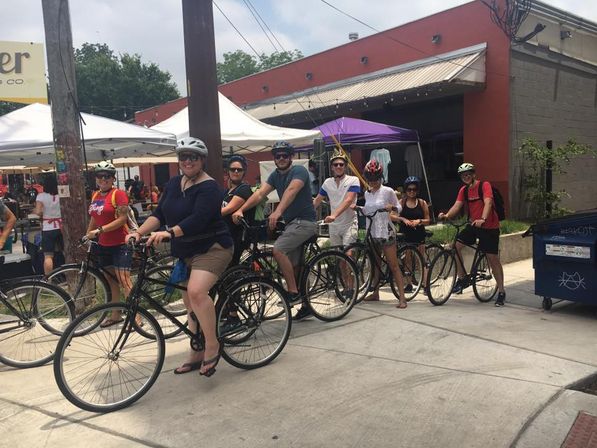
{"x":489,"y":239}
{"x":119,"y":257}
{"x":413,"y":235}
{"x":51,"y":241}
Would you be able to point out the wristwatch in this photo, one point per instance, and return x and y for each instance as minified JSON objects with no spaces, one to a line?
{"x":171,"y":232}
{"x":100,"y":229}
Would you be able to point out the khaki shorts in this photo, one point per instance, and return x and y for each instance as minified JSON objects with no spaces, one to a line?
{"x":344,"y":236}
{"x":215,"y":260}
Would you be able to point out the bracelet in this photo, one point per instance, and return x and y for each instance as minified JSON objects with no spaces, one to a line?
{"x":171,"y":232}
{"x":100,"y":229}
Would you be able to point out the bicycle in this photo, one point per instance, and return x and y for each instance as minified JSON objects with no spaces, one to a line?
{"x":105,"y":369}
{"x":33,"y":315}
{"x":369,"y":256}
{"x":327,"y":279}
{"x":87,"y":282}
{"x":443,"y":273}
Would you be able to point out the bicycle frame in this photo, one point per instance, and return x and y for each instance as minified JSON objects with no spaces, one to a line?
{"x":457,"y":254}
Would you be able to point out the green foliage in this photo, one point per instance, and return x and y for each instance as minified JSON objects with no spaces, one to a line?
{"x":116,"y":86}
{"x":445,"y":234}
{"x":238,"y":64}
{"x":6,"y":107}
{"x":537,"y":159}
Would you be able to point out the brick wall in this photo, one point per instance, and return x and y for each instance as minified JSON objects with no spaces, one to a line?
{"x":553,"y":98}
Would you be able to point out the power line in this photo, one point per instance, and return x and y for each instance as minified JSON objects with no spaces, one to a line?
{"x":255,"y":14}
{"x":237,"y":30}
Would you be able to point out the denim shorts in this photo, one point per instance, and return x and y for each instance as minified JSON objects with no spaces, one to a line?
{"x":119,"y":257}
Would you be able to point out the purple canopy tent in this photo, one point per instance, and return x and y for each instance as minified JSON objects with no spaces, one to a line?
{"x":353,"y":131}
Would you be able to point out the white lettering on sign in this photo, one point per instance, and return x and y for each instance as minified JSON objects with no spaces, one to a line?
{"x":580,"y":230}
{"x":561,"y":250}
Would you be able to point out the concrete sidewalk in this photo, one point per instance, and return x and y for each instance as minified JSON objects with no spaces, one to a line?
{"x":465,"y":374}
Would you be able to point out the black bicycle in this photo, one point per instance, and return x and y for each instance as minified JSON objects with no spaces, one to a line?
{"x":87,"y":282}
{"x":443,"y":272}
{"x":369,"y":257}
{"x":106,"y":369}
{"x":33,"y":314}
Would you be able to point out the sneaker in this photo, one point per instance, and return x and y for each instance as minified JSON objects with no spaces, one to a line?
{"x":501,"y":298}
{"x":459,"y":286}
{"x":408,"y":289}
{"x":302,"y":313}
{"x":294,"y":298}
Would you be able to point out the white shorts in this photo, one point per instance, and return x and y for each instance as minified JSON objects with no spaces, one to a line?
{"x":344,"y":236}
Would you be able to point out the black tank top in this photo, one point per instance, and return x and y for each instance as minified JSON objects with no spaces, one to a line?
{"x":412,"y":213}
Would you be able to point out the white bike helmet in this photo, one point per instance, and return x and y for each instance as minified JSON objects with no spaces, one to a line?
{"x":191,"y":144}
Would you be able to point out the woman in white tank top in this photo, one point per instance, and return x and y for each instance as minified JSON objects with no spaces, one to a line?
{"x":47,"y":206}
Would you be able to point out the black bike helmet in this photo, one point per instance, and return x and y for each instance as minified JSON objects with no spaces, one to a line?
{"x":240,"y":159}
{"x":282,"y":147}
{"x":412,"y":180}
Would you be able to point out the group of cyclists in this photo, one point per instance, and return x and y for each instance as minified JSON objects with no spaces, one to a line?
{"x":202,"y":224}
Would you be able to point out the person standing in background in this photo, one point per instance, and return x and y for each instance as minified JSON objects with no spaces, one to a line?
{"x":47,"y":207}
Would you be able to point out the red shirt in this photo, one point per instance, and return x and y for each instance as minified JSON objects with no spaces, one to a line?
{"x":103,"y":213}
{"x":476,"y":204}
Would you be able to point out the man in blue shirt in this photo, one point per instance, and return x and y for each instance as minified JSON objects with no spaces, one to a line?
{"x":295,"y":208}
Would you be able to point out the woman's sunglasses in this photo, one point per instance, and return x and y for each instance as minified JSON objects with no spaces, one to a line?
{"x":236,"y":170}
{"x":103,"y":176}
{"x":188,"y":156}
{"x":282,"y":156}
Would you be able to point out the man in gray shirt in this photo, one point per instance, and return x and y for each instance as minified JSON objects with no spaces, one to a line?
{"x":295,"y":208}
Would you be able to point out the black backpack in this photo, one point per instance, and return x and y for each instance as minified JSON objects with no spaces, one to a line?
{"x":498,"y":200}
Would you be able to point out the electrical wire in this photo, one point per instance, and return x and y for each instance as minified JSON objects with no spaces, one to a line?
{"x":237,"y":30}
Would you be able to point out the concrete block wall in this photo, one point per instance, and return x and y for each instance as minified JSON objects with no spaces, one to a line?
{"x":553,"y":98}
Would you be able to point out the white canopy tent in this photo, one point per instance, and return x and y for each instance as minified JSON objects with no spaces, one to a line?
{"x":26,"y":138}
{"x":241,"y":133}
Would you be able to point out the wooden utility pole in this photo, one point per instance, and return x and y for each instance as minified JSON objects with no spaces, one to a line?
{"x":65,"y":121}
{"x":202,"y":83}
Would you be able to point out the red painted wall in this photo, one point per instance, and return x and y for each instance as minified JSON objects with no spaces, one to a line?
{"x":486,"y":113}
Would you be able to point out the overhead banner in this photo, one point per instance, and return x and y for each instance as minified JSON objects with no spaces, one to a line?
{"x":23,"y":72}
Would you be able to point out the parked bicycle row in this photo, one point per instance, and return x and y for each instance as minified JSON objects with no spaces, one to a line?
{"x":231,"y":294}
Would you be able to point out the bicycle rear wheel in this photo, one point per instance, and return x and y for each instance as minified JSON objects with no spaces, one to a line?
{"x":484,"y":282}
{"x":330,"y":284}
{"x":88,"y":287}
{"x":263,"y":325}
{"x":107,"y":369}
{"x":33,"y":315}
{"x":412,"y":266}
{"x":441,"y":278}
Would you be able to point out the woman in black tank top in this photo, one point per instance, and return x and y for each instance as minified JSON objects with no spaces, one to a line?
{"x":413,"y":219}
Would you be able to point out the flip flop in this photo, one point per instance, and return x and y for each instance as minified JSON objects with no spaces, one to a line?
{"x":190,"y":365}
{"x":401,"y":305}
{"x":371,"y":298}
{"x":206,"y":362}
{"x":109,"y":322}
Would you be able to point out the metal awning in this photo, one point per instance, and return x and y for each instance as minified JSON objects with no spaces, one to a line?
{"x":448,"y":73}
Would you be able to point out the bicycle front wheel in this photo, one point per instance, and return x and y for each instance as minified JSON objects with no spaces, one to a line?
{"x":259,"y":328}
{"x":33,"y":315}
{"x":168,"y":296}
{"x":484,"y":282}
{"x":364,"y":263}
{"x":412,"y":266}
{"x":441,"y":278}
{"x":331,"y":285}
{"x":106,"y":369}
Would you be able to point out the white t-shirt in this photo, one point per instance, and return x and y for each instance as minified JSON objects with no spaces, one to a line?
{"x":336,"y":192}
{"x":382,"y":225}
{"x":51,"y":213}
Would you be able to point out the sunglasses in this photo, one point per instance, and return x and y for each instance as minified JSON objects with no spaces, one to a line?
{"x":236,"y":170}
{"x":103,"y":176}
{"x":282,"y":156}
{"x":412,"y":189}
{"x":188,"y":156}
{"x":338,"y":164}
